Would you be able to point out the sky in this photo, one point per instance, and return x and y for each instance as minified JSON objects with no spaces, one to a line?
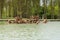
{"x":41,"y":3}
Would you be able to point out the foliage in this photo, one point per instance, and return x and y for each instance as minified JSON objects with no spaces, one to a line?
{"x":26,"y":8}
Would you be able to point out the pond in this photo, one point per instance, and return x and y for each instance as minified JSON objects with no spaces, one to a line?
{"x":41,"y":31}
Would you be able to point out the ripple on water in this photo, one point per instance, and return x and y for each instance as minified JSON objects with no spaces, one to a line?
{"x":18,"y":32}
{"x":41,"y":31}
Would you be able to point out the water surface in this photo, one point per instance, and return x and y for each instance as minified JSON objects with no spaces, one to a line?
{"x":41,"y":31}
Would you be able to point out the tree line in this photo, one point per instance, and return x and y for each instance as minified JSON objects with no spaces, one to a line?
{"x":26,"y":8}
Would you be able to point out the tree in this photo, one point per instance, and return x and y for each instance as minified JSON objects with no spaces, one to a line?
{"x":59,"y":9}
{"x":1,"y":7}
